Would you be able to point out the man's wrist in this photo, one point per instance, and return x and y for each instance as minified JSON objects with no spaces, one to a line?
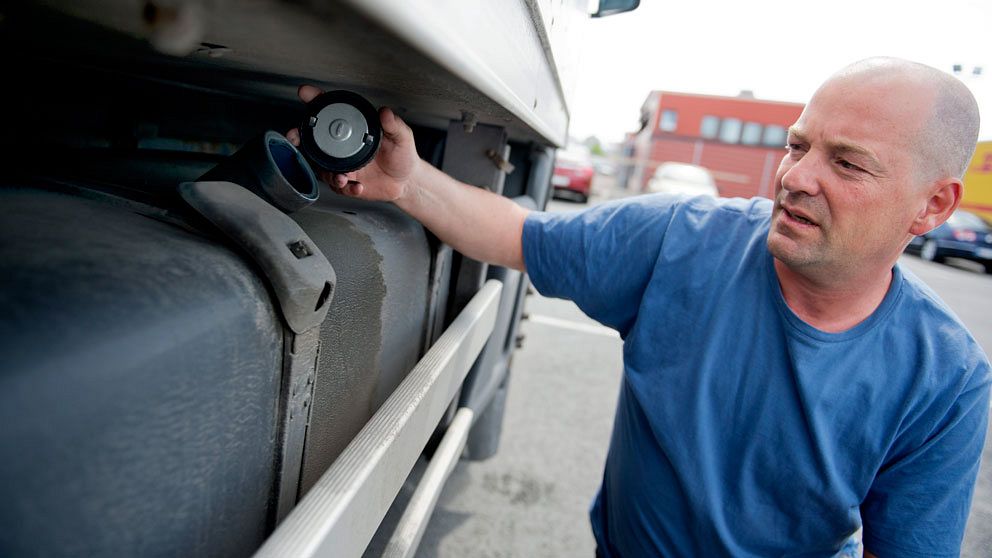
{"x":411,"y":187}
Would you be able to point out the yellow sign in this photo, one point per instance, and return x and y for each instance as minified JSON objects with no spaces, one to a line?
{"x":978,"y":182}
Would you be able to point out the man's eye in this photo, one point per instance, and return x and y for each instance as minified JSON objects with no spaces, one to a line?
{"x":849,"y":166}
{"x":794,"y":147}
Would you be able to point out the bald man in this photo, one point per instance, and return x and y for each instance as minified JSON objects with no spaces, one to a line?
{"x":785,"y":382}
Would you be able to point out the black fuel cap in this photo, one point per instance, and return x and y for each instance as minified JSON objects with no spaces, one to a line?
{"x":340,"y":132}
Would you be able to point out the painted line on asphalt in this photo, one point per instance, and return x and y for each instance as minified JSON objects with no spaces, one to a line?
{"x":574,"y":326}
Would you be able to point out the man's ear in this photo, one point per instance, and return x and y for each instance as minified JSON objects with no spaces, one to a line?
{"x":945,"y":195}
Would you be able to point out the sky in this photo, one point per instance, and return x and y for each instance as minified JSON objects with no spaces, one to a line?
{"x":779,"y":50}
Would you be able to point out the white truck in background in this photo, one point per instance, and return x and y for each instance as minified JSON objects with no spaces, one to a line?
{"x":190,"y":369}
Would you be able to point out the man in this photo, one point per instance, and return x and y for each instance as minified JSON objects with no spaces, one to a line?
{"x":785,"y":382}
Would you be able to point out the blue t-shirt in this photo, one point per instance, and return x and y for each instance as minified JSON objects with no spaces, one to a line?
{"x":740,"y":429}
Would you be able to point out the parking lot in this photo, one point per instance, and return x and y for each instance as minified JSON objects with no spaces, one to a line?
{"x":531,"y":499}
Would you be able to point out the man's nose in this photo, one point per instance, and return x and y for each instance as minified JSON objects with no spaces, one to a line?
{"x":803,"y":176}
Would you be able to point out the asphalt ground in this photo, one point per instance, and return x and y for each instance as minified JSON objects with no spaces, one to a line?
{"x":531,"y":499}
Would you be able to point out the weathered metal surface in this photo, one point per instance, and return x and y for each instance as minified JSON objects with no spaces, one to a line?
{"x":376,"y":324}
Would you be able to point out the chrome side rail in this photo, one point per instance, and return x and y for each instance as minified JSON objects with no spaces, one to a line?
{"x":341,"y":513}
{"x":410,"y":529}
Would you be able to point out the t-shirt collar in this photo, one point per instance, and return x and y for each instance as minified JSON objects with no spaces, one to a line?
{"x":798,"y":325}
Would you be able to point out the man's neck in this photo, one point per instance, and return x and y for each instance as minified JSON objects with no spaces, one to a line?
{"x":834,"y":305}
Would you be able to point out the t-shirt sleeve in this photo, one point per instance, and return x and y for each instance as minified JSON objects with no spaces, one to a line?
{"x":918,"y":504}
{"x":601,"y":258}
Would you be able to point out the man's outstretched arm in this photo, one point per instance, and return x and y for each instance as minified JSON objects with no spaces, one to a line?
{"x":478,"y":223}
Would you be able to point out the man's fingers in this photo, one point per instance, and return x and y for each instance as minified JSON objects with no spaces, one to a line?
{"x":294,"y":137}
{"x":350,"y":188}
{"x":334,"y":180}
{"x":307,"y":93}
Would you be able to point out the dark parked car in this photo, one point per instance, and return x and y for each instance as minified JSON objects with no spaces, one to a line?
{"x":964,"y":235}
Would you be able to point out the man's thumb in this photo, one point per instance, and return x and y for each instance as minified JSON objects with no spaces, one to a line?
{"x":392,"y":126}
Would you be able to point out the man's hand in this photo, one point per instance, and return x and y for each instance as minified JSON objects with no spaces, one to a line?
{"x":476,"y":222}
{"x":388,"y":176}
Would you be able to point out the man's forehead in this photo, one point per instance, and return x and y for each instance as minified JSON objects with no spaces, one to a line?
{"x":897,"y":101}
{"x":863,"y":118}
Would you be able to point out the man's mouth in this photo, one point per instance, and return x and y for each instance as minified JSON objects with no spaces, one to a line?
{"x":798,"y":218}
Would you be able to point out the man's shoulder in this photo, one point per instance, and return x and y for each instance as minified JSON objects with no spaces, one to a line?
{"x":749,"y":208}
{"x":937,"y":328}
{"x":922,"y":301}
{"x":713,"y":230}
{"x":694,"y":209}
{"x":695,"y":214}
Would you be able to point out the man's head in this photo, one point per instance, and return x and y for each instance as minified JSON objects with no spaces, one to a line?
{"x":876,"y":157}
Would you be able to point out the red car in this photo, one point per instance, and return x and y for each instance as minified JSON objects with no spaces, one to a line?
{"x":573,"y":176}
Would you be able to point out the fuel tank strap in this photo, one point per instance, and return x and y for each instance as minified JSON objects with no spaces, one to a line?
{"x":301,"y":277}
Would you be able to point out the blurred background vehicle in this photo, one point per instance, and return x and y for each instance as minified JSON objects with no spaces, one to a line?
{"x":573,"y":174}
{"x":682,"y":178}
{"x":964,"y":235}
{"x":604,"y":166}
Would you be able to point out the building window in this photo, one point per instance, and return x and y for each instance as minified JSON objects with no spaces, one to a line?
{"x":775,"y":136}
{"x":730,"y":130}
{"x":669,"y":120}
{"x":751,"y":134}
{"x":709,"y":127}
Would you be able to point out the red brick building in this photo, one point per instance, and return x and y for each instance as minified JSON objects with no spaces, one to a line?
{"x":739,"y":139}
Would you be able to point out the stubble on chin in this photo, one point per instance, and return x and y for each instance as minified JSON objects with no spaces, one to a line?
{"x":791,"y":252}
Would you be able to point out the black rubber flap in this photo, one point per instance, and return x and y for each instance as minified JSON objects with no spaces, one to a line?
{"x":300,"y":275}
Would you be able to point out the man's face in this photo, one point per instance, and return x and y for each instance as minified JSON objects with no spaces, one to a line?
{"x":847,"y":190}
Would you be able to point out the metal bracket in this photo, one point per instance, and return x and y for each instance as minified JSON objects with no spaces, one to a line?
{"x":466,"y":159}
{"x":301,"y":277}
{"x":469,"y":120}
{"x":299,"y":372}
{"x":499,"y":159}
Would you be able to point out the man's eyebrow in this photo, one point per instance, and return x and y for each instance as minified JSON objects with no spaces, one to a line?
{"x":872,"y":162}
